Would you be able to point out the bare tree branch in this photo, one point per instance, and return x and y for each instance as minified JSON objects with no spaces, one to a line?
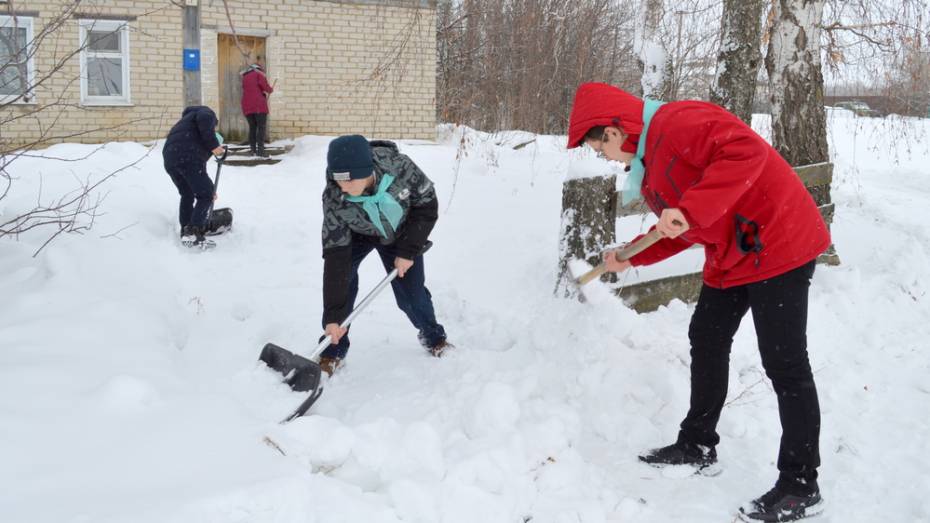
{"x":232,"y":27}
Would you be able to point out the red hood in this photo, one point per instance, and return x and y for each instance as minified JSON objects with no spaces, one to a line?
{"x":602,"y":104}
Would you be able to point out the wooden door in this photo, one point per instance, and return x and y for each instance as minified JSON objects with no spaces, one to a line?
{"x":233,"y":60}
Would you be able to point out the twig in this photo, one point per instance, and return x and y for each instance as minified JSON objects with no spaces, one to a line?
{"x":268,"y":441}
{"x":747,"y":390}
{"x":232,"y":28}
{"x":115,"y":234}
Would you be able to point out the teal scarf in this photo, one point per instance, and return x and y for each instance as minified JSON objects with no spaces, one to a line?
{"x":633,"y":189}
{"x":381,"y":204}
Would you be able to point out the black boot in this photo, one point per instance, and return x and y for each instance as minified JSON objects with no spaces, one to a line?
{"x":681,"y":453}
{"x":785,"y":502}
{"x":193,"y":236}
{"x":188,"y":234}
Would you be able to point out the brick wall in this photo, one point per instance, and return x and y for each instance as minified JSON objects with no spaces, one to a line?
{"x":154,"y":43}
{"x":342,"y":67}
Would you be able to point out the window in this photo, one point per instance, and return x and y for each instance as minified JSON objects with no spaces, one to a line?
{"x":17,"y":71}
{"x":104,"y":62}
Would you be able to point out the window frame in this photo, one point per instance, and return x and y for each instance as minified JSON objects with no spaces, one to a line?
{"x":122,"y":27}
{"x":22,"y":22}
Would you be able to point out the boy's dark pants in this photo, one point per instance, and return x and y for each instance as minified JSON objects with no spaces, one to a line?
{"x":257,"y":123}
{"x":779,"y":312}
{"x":196,"y":190}
{"x":410,"y":292}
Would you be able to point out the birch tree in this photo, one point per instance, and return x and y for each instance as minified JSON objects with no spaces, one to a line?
{"x":651,"y":52}
{"x":739,"y":57}
{"x":799,"y":128}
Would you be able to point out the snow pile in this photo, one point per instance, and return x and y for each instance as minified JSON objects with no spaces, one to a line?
{"x":130,"y":390}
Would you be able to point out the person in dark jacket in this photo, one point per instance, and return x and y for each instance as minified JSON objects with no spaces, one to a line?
{"x":188,"y":147}
{"x":714,"y":182}
{"x":255,"y":91}
{"x":376,"y":199}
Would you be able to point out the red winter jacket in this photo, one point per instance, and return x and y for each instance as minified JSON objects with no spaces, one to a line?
{"x":254,"y":89}
{"x":742,"y":200}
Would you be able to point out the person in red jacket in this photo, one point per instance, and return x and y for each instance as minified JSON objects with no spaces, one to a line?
{"x":714,"y":182}
{"x":255,"y":91}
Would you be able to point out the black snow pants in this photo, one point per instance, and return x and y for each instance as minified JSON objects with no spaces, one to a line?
{"x":779,"y":312}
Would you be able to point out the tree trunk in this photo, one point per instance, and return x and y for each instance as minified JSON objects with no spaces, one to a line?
{"x":739,"y":57}
{"x":799,"y":123}
{"x":589,"y":211}
{"x":799,"y":127}
{"x":652,"y":55}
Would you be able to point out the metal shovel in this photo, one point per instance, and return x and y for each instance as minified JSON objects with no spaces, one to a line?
{"x":304,"y":374}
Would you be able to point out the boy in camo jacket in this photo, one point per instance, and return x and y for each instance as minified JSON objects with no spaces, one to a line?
{"x":375,"y":199}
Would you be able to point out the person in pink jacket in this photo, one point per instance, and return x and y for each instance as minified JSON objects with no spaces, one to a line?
{"x":255,"y":91}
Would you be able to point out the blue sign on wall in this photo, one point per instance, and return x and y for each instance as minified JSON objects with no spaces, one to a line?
{"x":192,"y":59}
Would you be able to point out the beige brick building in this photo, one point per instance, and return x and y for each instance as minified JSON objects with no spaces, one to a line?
{"x":366,"y":66}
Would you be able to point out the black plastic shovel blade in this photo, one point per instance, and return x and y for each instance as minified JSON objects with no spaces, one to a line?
{"x":301,"y":374}
{"x":220,"y":221}
{"x":305,"y":406}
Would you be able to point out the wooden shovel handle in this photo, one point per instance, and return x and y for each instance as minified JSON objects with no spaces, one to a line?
{"x":593,"y":274}
{"x":623,"y":254}
{"x":628,"y":251}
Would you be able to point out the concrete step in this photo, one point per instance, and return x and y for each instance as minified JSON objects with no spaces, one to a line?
{"x":251,"y":161}
{"x":239,"y":155}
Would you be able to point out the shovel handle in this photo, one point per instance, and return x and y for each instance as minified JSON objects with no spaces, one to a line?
{"x":623,"y":254}
{"x":216,"y":180}
{"x":628,"y":251}
{"x":593,"y":274}
{"x":222,"y":157}
{"x":355,"y":312}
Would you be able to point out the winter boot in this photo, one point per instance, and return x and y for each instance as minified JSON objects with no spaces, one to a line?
{"x":188,"y":235}
{"x":784,"y":503}
{"x":438,"y":349}
{"x":681,"y":453}
{"x":193,"y":236}
{"x":330,"y":365}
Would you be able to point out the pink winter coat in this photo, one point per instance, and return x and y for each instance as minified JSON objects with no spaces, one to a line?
{"x":255,"y":91}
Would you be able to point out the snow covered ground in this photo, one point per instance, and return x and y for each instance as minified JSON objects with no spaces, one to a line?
{"x":130,"y":389}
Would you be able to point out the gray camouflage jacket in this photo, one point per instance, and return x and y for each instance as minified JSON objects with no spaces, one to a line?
{"x":345,"y":222}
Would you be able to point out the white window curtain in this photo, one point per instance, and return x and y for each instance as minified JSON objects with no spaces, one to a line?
{"x":104,"y":62}
{"x":17,"y":70}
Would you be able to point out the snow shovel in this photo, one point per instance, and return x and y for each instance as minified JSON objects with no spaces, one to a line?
{"x":304,"y":374}
{"x":622,"y":254}
{"x":219,"y":220}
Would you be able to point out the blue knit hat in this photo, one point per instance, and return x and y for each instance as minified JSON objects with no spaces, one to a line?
{"x":349,"y":158}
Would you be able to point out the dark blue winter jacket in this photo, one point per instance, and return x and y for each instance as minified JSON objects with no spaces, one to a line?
{"x":193,"y":138}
